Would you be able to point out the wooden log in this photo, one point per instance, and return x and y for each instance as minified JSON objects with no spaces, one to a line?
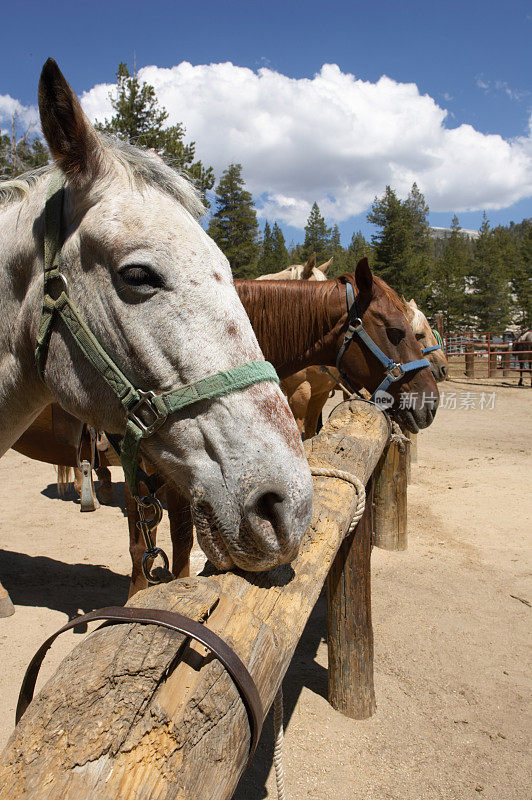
{"x":506,"y":363}
{"x":134,"y":711}
{"x":413,"y":447}
{"x":470,"y":360}
{"x":408,"y":455}
{"x":492,"y":360}
{"x":390,"y":501}
{"x":349,"y":629}
{"x":7,"y":609}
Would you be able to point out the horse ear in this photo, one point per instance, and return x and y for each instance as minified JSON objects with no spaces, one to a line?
{"x":413,"y":304}
{"x":409,"y":311}
{"x":364,"y":277}
{"x":71,"y":138}
{"x":325,"y":266}
{"x":309,"y":266}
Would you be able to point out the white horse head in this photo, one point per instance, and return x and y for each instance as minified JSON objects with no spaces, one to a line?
{"x":301,"y":272}
{"x":423,"y":333}
{"x":159,"y":296}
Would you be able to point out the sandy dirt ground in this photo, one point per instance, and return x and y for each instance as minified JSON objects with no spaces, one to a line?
{"x":451,"y":618}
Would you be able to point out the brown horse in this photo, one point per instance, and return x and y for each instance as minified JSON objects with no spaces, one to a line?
{"x":522,"y":348}
{"x":299,"y":324}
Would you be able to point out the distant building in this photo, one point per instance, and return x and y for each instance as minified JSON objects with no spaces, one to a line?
{"x":445,"y":233}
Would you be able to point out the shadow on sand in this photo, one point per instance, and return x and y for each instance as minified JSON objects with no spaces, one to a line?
{"x":69,"y":495}
{"x":69,"y":588}
{"x":303,"y":671}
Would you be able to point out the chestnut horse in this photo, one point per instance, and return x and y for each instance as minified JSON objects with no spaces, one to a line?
{"x":299,"y":324}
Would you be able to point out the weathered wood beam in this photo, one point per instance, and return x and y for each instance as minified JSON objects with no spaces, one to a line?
{"x":138,"y":712}
{"x":390,"y":500}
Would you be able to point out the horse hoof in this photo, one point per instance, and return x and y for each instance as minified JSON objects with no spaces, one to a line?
{"x":7,"y":609}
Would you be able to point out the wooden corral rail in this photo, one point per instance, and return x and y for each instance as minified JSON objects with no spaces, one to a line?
{"x":140,"y":712}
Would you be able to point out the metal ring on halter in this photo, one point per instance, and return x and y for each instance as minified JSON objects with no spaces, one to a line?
{"x":147,"y":502}
{"x":57,"y":276}
{"x":150,"y":555}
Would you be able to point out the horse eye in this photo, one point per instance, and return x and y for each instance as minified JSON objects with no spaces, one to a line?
{"x":140,"y":275}
{"x":419,"y":336}
{"x":395,"y":335}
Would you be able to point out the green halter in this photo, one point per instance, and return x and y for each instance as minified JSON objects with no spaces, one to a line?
{"x":145,"y":411}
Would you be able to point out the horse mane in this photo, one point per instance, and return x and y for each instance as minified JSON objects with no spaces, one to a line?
{"x":142,"y":167}
{"x":300,"y":309}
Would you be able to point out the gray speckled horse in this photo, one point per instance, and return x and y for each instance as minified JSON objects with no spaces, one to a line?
{"x":159,"y":296}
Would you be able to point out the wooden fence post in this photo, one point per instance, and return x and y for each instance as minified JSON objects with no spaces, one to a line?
{"x":506,"y":362}
{"x":492,"y":359}
{"x":413,"y":447}
{"x":137,"y":709}
{"x":470,"y":360}
{"x":390,"y":500}
{"x":349,"y":629}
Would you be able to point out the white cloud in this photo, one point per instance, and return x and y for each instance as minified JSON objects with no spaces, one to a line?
{"x":26,"y":116}
{"x":333,"y":138}
{"x":501,"y":86}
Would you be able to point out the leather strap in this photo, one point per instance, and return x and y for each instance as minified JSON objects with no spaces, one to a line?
{"x":173,"y":621}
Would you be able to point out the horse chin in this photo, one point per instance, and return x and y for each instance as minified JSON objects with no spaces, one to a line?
{"x":414,"y":421}
{"x":214,"y":537}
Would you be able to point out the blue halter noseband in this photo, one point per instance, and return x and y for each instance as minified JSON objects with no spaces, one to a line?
{"x":438,"y":346}
{"x":394,"y":372}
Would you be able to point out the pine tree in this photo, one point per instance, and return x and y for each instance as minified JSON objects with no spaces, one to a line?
{"x":358,"y":248}
{"x":280,"y":253}
{"x":337,"y":252}
{"x":266,"y":262}
{"x":139,"y":119}
{"x":520,"y":272}
{"x":450,"y":280}
{"x":233,"y":225}
{"x":490,"y":297}
{"x":317,"y":237}
{"x":403,"y":247}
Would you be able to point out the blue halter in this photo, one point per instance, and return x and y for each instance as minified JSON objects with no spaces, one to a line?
{"x":438,"y":346}
{"x":394,"y":372}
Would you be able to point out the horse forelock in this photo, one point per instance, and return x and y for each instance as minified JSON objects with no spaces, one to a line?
{"x":141,"y":167}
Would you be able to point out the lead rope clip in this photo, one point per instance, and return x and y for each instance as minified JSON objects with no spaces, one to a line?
{"x":148,"y":523}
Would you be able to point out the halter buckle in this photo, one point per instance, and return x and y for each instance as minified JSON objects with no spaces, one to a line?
{"x":152,"y":419}
{"x":396,"y":372}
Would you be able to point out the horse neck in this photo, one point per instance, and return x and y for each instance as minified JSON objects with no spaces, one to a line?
{"x":22,"y":394}
{"x":296,"y":322}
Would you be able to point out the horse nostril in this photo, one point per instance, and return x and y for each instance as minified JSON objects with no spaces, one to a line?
{"x":444,"y":371}
{"x":265,"y":502}
{"x":267,"y":512}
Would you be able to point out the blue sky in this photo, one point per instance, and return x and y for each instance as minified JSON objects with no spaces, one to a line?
{"x":471,"y":58}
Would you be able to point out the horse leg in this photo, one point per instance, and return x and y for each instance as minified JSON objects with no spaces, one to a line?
{"x":105,"y":489}
{"x":298,"y":403}
{"x":180,"y":520}
{"x":77,"y":481}
{"x":136,"y":545}
{"x":314,"y":409}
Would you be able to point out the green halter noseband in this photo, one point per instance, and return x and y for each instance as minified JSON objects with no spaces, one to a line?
{"x":145,"y":411}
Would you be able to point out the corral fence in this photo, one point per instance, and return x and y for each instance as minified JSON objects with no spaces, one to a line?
{"x":485,"y":355}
